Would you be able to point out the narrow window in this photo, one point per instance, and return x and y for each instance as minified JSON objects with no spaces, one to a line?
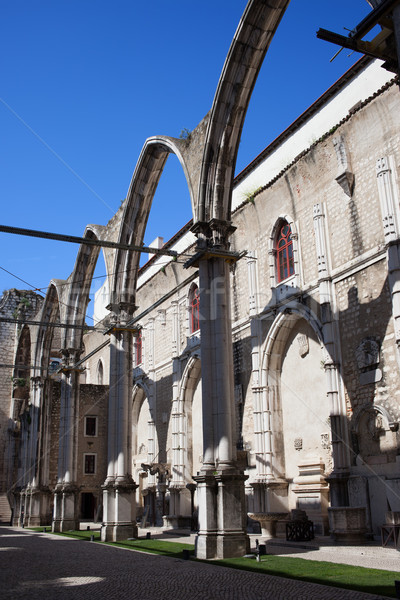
{"x":90,"y":464}
{"x":194,"y":307}
{"x":284,"y":253}
{"x":139,"y":349}
{"x":91,"y":426}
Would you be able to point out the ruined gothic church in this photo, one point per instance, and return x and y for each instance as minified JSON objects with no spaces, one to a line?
{"x":250,"y":369}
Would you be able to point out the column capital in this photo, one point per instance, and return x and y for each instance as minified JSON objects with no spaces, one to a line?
{"x":70,"y":357}
{"x":214,"y":233}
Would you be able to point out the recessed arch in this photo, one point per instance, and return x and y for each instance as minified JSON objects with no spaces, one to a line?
{"x":279,"y":332}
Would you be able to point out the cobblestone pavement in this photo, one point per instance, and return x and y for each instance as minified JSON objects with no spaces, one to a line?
{"x":43,"y":566}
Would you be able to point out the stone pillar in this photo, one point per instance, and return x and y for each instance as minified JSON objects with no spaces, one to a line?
{"x":119,"y":506}
{"x":65,"y":513}
{"x":340,"y":454}
{"x":179,"y":449}
{"x":38,"y":499}
{"x":390,"y":217}
{"x":220,"y":483}
{"x":253,"y":283}
{"x":22,"y":477}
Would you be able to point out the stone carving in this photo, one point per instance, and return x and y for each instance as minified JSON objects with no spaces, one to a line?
{"x":374,"y":425}
{"x":325,"y":441}
{"x":303,"y":344}
{"x":345,"y":177}
{"x":367,"y":354}
{"x":298,"y":444}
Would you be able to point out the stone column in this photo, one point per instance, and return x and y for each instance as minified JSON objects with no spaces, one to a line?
{"x":220,"y":483}
{"x":390,"y":218}
{"x":340,"y":441}
{"x":22,"y":477}
{"x":38,"y":497}
{"x":65,"y":513}
{"x":119,"y":506}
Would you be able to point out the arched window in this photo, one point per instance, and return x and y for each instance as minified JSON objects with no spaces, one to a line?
{"x":284,"y":252}
{"x":139,"y":349}
{"x":100,"y":372}
{"x":194,"y":309}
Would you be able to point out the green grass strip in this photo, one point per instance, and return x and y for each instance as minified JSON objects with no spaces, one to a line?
{"x":372,"y":581}
{"x":361,"y":579}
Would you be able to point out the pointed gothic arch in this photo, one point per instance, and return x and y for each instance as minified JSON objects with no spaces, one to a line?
{"x":141,"y":191}
{"x":76,"y":292}
{"x":242,"y":65}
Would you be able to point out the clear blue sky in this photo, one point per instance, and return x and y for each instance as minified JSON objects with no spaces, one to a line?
{"x":83,"y":83}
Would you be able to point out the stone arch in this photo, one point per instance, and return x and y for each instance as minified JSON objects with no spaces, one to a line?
{"x":78,"y":286}
{"x":280,"y":330}
{"x":141,"y":191}
{"x":21,"y":373}
{"x":375,"y":430}
{"x":245,"y":57}
{"x":53,"y":310}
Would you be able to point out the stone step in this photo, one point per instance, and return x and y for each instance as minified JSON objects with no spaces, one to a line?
{"x":5,"y":509}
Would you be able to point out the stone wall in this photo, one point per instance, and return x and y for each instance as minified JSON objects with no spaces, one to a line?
{"x":14,"y":304}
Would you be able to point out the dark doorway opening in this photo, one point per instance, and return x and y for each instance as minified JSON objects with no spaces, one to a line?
{"x":88,"y":506}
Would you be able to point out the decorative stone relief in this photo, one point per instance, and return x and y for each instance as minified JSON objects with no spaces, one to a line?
{"x":345,"y":177}
{"x":387,"y":198}
{"x":298,"y":444}
{"x":302,"y":340}
{"x":325,"y":441}
{"x":374,"y":425}
{"x":367,"y":354}
{"x":320,"y":239}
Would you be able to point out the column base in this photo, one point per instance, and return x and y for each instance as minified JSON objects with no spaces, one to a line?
{"x":206,"y":546}
{"x":40,"y":512}
{"x":117,"y":532}
{"x":338,"y":488}
{"x":119,"y":511}
{"x":232,"y":545}
{"x":222,"y":515}
{"x":65,"y":510}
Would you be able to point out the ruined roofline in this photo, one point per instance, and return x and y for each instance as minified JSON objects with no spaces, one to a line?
{"x":297,"y":124}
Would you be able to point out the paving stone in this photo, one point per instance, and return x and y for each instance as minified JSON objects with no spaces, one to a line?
{"x":38,"y":565}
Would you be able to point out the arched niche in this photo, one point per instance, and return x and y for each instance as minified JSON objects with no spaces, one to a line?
{"x":300,"y":439}
{"x":144,"y":442}
{"x":293,"y":349}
